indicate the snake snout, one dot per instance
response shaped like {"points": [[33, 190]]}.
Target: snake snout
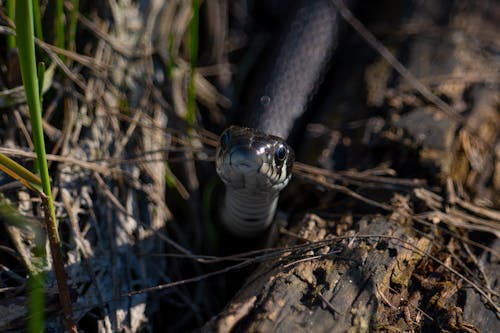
{"points": [[252, 160], [245, 159]]}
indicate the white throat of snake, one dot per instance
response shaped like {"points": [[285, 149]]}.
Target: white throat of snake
{"points": [[246, 213]]}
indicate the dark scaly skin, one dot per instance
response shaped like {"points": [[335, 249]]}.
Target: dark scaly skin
{"points": [[287, 81], [295, 68]]}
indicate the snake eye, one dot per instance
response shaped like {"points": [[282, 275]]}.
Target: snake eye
{"points": [[280, 154], [224, 139]]}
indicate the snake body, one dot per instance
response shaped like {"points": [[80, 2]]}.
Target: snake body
{"points": [[254, 161]]}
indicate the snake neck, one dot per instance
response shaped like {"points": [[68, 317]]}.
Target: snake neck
{"points": [[248, 213]]}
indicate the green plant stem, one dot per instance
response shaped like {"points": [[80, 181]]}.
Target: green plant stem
{"points": [[37, 20], [59, 26], [20, 173], [41, 77], [36, 303], [72, 25], [193, 55], [11, 39], [26, 44], [27, 61]]}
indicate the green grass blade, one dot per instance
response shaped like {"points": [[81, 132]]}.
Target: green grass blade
{"points": [[11, 39], [36, 303], [193, 56], [21, 174], [72, 25], [26, 49], [27, 60], [59, 25], [41, 78], [37, 20]]}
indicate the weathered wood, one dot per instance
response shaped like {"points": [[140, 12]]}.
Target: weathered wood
{"points": [[378, 276], [346, 289]]}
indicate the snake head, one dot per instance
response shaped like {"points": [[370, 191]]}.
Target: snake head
{"points": [[252, 160]]}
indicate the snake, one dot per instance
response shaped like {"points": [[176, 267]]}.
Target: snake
{"points": [[253, 158]]}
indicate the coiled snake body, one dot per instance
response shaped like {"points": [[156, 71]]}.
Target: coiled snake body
{"points": [[254, 161]]}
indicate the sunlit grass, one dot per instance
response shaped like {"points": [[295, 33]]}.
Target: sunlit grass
{"points": [[20, 173], [26, 45], [31, 78]]}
